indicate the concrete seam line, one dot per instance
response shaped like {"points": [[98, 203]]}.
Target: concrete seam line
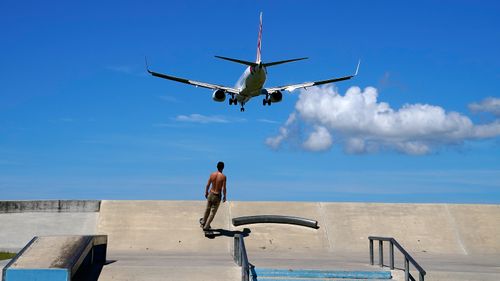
{"points": [[325, 225], [229, 225], [455, 230]]}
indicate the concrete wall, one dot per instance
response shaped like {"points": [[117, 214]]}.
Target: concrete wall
{"points": [[49, 206], [20, 221], [344, 227]]}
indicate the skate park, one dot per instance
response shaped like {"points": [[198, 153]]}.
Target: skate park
{"points": [[161, 240]]}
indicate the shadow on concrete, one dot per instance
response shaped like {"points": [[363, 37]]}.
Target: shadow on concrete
{"points": [[90, 272], [216, 232]]}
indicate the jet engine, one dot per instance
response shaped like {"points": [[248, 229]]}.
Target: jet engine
{"points": [[276, 96], [219, 95]]}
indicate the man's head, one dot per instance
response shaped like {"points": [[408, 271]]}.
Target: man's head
{"points": [[220, 166]]}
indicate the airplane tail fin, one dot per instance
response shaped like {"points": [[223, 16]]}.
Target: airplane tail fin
{"points": [[259, 41], [258, 61]]}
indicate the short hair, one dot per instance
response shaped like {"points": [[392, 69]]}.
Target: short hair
{"points": [[220, 166]]}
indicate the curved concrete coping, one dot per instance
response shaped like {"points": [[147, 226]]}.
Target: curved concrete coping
{"points": [[275, 219]]}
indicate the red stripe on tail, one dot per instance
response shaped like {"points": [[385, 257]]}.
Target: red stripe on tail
{"points": [[259, 45]]}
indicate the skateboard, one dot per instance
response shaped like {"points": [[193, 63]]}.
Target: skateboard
{"points": [[209, 232]]}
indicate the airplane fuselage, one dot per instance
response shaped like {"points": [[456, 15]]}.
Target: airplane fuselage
{"points": [[251, 83]]}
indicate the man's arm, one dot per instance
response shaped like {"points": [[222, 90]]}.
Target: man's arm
{"points": [[208, 186], [224, 190]]}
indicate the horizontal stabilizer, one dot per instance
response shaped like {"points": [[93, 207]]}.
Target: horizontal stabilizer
{"points": [[281, 62], [238, 61]]}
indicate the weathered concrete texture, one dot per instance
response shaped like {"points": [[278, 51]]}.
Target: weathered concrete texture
{"points": [[17, 229], [428, 228], [51, 252], [345, 227], [144, 266], [160, 226], [162, 240], [477, 227], [274, 238], [49, 206]]}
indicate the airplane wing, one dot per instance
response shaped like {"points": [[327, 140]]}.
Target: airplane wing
{"points": [[193, 82], [310, 84]]}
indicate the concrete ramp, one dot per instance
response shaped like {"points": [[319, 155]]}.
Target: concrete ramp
{"points": [[160, 226], [162, 240]]}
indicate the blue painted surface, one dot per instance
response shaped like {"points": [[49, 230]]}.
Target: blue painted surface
{"points": [[312, 279], [25, 274], [266, 272]]}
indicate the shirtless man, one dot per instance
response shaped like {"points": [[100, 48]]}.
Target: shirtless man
{"points": [[218, 182]]}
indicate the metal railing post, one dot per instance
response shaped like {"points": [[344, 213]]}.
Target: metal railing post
{"points": [[371, 251], [407, 257], [391, 254], [237, 250], [245, 273], [407, 270], [380, 253]]}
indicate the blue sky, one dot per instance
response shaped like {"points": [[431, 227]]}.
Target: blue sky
{"points": [[80, 118]]}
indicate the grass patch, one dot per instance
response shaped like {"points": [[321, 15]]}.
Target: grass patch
{"points": [[6, 255]]}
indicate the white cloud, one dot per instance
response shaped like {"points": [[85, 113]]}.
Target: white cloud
{"points": [[263, 120], [204, 119], [491, 105], [284, 133], [318, 140], [362, 124]]}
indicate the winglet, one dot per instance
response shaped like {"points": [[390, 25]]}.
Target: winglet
{"points": [[147, 66], [357, 68]]}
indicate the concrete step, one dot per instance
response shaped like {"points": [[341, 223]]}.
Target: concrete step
{"points": [[301, 274]]}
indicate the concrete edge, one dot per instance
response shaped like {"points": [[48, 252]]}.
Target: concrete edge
{"points": [[59, 206]]}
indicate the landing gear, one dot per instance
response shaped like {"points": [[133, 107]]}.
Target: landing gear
{"points": [[233, 100], [266, 101], [242, 109]]}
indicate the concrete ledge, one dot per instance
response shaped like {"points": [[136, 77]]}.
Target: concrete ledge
{"points": [[50, 206], [57, 258]]}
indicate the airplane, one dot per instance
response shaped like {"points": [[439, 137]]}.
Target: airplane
{"points": [[251, 83]]}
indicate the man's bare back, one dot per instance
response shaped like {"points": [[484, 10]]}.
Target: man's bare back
{"points": [[218, 182]]}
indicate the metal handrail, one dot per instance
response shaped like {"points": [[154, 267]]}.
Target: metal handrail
{"points": [[240, 256], [408, 258]]}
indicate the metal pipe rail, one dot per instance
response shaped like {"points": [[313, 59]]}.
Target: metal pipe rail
{"points": [[275, 219], [240, 257], [408, 258]]}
